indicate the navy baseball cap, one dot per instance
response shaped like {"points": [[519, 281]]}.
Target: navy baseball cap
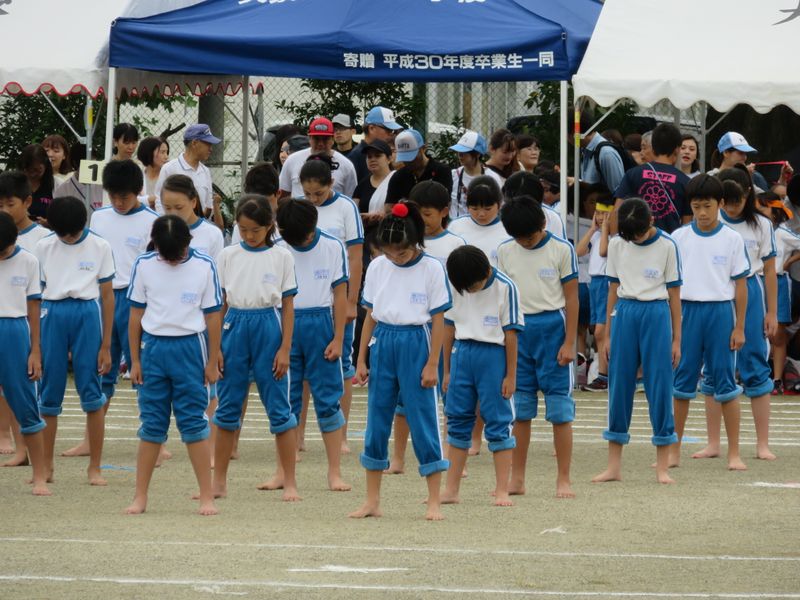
{"points": [[201, 132]]}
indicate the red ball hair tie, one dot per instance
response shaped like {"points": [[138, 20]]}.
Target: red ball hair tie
{"points": [[400, 210]]}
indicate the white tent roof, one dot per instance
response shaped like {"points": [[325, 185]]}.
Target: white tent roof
{"points": [[723, 52], [62, 46]]}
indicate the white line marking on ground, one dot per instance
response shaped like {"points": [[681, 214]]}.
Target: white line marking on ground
{"points": [[765, 484], [392, 588], [346, 569], [216, 589], [413, 549], [559, 529]]}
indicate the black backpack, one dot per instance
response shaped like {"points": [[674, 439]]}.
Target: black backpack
{"points": [[627, 160]]}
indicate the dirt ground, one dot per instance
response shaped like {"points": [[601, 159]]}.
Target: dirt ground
{"points": [[715, 534]]}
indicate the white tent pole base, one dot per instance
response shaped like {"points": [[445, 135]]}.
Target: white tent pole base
{"points": [[111, 99], [562, 156]]}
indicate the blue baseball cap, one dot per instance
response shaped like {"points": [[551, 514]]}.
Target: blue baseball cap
{"points": [[201, 132], [471, 141], [734, 141], [383, 117], [407, 144]]}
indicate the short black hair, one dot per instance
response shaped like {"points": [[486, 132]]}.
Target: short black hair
{"points": [[704, 187], [256, 208], [522, 216], [262, 178], [466, 266], [122, 177], [316, 169], [8, 231], [14, 184], [666, 139], [523, 183], [126, 132], [431, 194], [483, 191], [405, 231], [297, 219], [147, 148], [634, 218], [67, 215], [737, 185], [170, 237]]}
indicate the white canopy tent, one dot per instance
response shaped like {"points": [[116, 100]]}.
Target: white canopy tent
{"points": [[62, 47], [715, 51]]}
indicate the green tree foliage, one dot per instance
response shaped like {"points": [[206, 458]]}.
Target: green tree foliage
{"points": [[354, 98]]}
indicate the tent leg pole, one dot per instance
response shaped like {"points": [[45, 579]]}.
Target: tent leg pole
{"points": [[111, 99], [62, 117], [245, 124], [703, 111], [562, 157]]}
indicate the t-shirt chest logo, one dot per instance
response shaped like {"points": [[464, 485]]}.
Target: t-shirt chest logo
{"points": [[652, 273], [134, 242], [419, 298], [190, 298], [322, 274], [491, 321], [86, 265], [751, 244], [720, 260], [548, 273], [269, 278], [19, 281]]}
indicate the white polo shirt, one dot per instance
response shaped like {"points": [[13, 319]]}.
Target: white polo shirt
{"points": [[710, 262], [406, 295], [486, 315], [553, 222], [486, 237], [30, 236], [319, 267], [175, 298], [128, 234], [539, 273], [19, 282], [206, 238], [759, 240], [74, 270], [200, 176], [644, 271], [786, 243], [344, 178], [339, 217], [440, 246], [597, 263], [256, 277]]}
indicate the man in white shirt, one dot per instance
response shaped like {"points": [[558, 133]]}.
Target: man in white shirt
{"points": [[320, 137], [198, 143]]}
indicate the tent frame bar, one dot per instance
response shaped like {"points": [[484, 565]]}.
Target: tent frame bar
{"points": [[245, 125], [603, 118], [80, 138]]}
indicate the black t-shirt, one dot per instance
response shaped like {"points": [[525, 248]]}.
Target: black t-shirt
{"points": [[363, 193], [401, 182], [358, 156], [663, 187], [41, 201]]}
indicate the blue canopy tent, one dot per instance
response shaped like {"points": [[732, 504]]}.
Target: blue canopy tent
{"points": [[365, 40]]}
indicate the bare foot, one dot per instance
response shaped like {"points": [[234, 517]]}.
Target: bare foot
{"points": [[395, 468], [607, 475], [502, 499], [674, 463], [41, 489], [6, 447], [208, 509], [290, 495], [474, 450], [49, 478], [434, 513], [464, 473], [81, 449], [707, 452], [219, 492], [274, 483], [765, 454], [516, 488], [449, 499], [235, 455], [301, 445], [96, 478], [736, 464], [345, 448], [335, 484], [664, 478], [137, 507], [564, 489], [367, 510], [18, 460]]}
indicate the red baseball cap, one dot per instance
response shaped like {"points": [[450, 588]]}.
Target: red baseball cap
{"points": [[320, 126]]}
